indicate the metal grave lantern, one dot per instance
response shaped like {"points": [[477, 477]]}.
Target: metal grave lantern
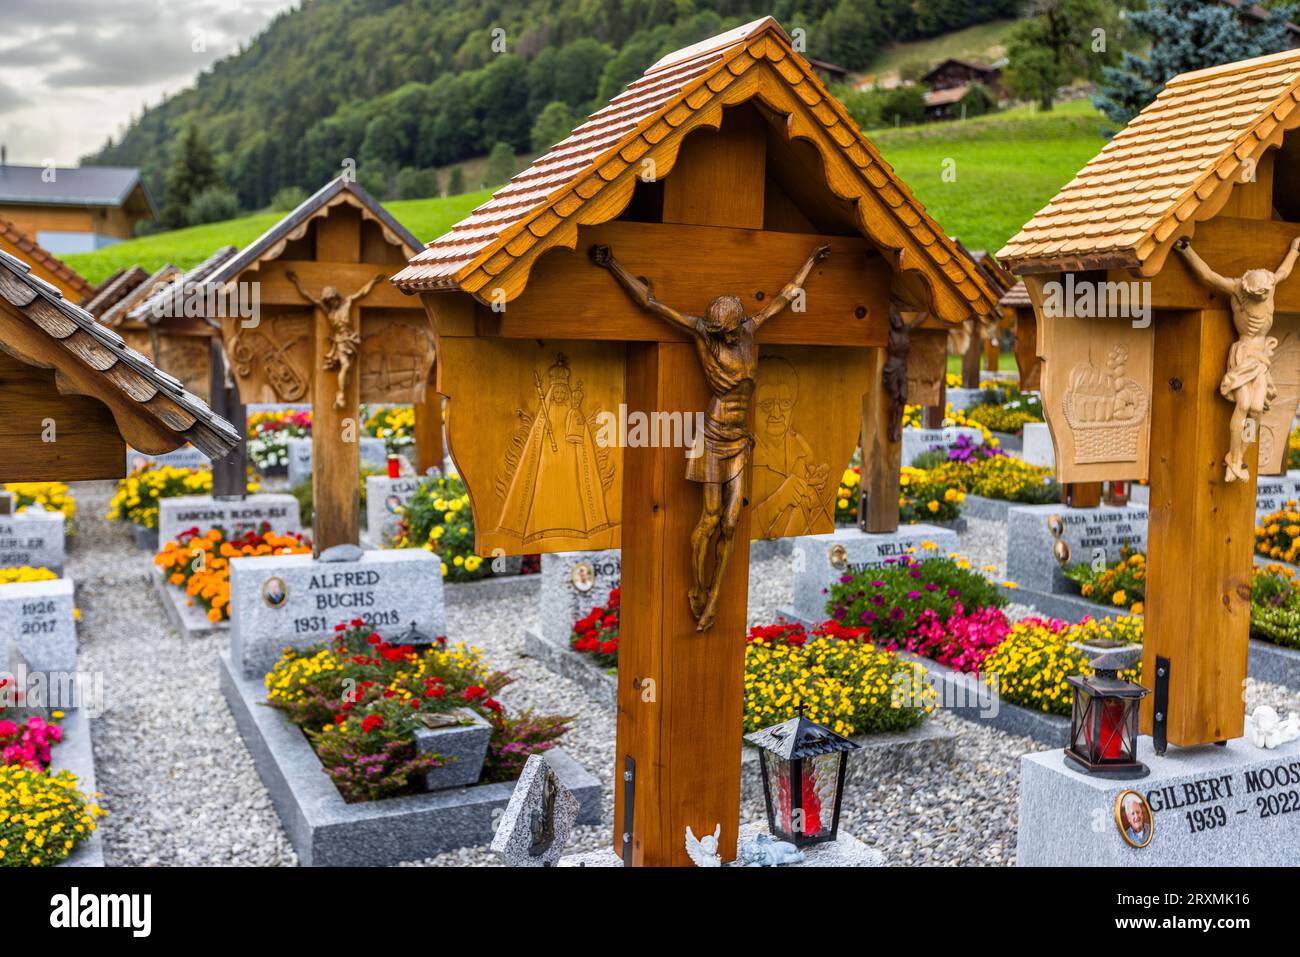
{"points": [[1104, 719], [803, 766]]}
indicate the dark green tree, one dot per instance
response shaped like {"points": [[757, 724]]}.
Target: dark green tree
{"points": [[1184, 35], [500, 165], [192, 171], [1058, 42], [553, 124], [456, 181]]}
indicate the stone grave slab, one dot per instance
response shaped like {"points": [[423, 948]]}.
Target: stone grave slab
{"points": [[386, 500], [462, 742], [1036, 445], [33, 537], [961, 399], [373, 453], [37, 620], [235, 516], [916, 441], [1272, 492], [845, 851], [1043, 539], [818, 561], [1208, 807], [278, 601]]}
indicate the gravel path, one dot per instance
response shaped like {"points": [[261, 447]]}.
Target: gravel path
{"points": [[182, 789]]}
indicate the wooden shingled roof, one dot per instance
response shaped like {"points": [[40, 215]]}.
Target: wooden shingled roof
{"points": [[1174, 165], [589, 177], [1017, 297], [92, 359], [115, 314], [196, 275], [18, 244], [110, 293]]}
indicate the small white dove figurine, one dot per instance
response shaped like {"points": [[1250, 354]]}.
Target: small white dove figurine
{"points": [[703, 852], [1267, 730]]}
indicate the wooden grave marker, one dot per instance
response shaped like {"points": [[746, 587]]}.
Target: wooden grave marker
{"points": [[735, 167]]}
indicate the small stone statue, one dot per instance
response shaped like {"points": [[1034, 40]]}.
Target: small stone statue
{"points": [[766, 851], [703, 851], [1266, 730], [1248, 382]]}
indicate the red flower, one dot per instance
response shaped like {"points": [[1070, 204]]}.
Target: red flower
{"points": [[357, 622], [610, 647], [370, 722], [492, 703], [374, 639], [474, 692], [340, 627], [437, 692]]}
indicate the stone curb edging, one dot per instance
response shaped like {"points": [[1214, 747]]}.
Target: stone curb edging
{"points": [[988, 509], [599, 685], [326, 831], [497, 586], [187, 621], [76, 753]]}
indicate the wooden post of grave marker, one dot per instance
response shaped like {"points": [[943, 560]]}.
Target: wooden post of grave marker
{"points": [[229, 473], [743, 137]]}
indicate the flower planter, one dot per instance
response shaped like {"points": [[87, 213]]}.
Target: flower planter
{"points": [[326, 831], [189, 621], [74, 753], [463, 746]]}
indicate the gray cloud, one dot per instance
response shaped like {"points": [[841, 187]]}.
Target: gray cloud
{"points": [[10, 99]]}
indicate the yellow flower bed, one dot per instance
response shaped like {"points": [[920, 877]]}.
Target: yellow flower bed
{"points": [[396, 426], [42, 816], [848, 686], [1278, 535], [52, 496], [137, 495], [14, 576], [1030, 667]]}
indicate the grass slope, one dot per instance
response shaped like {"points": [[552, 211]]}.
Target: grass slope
{"points": [[1007, 166], [984, 41], [426, 218]]}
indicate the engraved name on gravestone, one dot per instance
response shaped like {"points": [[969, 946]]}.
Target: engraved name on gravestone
{"points": [[1272, 492], [1042, 540], [186, 457], [373, 454], [918, 441], [1205, 806], [33, 538], [386, 501], [37, 620], [235, 517], [279, 601], [820, 561]]}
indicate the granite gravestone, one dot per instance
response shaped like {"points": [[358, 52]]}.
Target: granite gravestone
{"points": [[38, 620], [573, 583], [1272, 492], [917, 441], [1037, 448], [1043, 540], [1206, 806], [538, 820], [461, 739], [34, 538], [819, 561], [386, 501], [186, 457], [373, 454], [279, 601], [235, 516]]}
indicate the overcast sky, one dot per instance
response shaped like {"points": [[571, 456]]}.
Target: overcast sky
{"points": [[73, 72]]}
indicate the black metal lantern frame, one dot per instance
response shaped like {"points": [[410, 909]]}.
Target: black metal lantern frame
{"points": [[803, 766], [1104, 723]]}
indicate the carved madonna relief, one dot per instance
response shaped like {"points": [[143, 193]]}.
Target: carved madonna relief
{"points": [[558, 485], [807, 417], [1097, 397]]}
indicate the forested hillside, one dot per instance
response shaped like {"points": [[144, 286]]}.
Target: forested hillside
{"points": [[413, 84]]}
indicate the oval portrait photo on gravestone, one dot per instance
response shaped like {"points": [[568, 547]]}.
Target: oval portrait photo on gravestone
{"points": [[583, 577], [275, 592], [1133, 818]]}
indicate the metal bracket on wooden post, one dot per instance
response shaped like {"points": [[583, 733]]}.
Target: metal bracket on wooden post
{"points": [[629, 807], [1160, 715]]}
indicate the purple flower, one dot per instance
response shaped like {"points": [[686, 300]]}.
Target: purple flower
{"points": [[913, 595], [896, 614], [868, 617], [877, 599], [915, 573], [877, 584], [954, 593], [931, 586], [845, 579]]}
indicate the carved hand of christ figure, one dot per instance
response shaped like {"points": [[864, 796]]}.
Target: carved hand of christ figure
{"points": [[345, 340], [725, 343], [1248, 381]]}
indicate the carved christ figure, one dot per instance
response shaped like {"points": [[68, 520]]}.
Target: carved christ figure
{"points": [[894, 374], [725, 343], [1248, 382], [345, 340]]}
